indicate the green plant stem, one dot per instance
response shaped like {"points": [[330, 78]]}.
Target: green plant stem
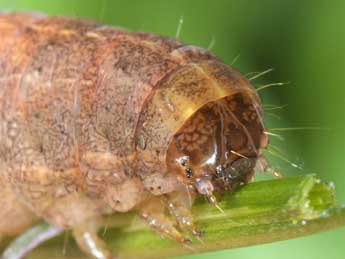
{"points": [[257, 213]]}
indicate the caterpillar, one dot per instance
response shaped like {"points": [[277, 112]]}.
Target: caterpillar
{"points": [[96, 120]]}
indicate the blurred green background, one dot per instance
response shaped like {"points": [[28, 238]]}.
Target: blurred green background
{"points": [[304, 41]]}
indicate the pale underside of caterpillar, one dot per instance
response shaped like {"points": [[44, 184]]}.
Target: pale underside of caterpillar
{"points": [[97, 120]]}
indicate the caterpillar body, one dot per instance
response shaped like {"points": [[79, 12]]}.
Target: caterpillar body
{"points": [[96, 120]]}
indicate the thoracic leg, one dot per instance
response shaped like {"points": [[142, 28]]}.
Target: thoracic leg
{"points": [[153, 213], [179, 206], [88, 240]]}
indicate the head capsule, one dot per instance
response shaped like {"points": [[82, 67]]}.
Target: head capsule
{"points": [[218, 146], [202, 124]]}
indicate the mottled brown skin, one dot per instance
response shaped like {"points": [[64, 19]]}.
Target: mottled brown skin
{"points": [[96, 120]]}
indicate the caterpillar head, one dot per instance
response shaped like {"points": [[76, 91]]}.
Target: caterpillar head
{"points": [[203, 124], [218, 147]]}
